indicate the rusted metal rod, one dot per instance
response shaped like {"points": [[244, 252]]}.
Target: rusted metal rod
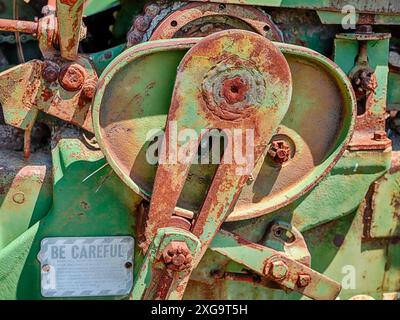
{"points": [[18, 26]]}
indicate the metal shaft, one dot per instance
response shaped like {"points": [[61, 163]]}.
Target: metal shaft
{"points": [[18, 26]]}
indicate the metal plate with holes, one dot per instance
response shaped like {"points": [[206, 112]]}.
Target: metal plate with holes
{"points": [[86, 266]]}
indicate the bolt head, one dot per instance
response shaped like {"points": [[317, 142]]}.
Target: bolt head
{"points": [[46, 268], [303, 280], [279, 151], [88, 91], [278, 270], [50, 71], [72, 77], [176, 256]]}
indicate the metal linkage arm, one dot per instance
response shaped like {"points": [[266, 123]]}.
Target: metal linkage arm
{"points": [[276, 266]]}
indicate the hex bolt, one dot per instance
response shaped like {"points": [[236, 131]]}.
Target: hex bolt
{"points": [[303, 280], [380, 135], [279, 151], [278, 270], [176, 256], [72, 77], [50, 71]]}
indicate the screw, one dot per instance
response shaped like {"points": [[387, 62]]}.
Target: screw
{"points": [[128, 265], [279, 151], [72, 77], [380, 135], [46, 268], [303, 280], [176, 256], [19, 197], [50, 71], [276, 269]]}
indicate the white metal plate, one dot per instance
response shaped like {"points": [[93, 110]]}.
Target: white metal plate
{"points": [[86, 266]]}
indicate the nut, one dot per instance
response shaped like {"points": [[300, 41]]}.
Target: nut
{"points": [[50, 71], [176, 256], [279, 151], [303, 280], [276, 269], [72, 77]]}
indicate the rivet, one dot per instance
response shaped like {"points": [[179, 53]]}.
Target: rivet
{"points": [[19, 197]]}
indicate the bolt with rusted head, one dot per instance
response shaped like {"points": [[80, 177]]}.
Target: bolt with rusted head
{"points": [[50, 71], [88, 90], [303, 280], [278, 270], [176, 256], [72, 77], [380, 135], [279, 151]]}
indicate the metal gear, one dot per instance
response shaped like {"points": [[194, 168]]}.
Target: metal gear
{"points": [[163, 20]]}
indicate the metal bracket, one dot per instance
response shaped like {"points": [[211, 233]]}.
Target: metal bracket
{"points": [[59, 88], [166, 265], [277, 266]]}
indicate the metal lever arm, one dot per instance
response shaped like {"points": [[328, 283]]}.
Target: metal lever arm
{"points": [[276, 265], [234, 81]]}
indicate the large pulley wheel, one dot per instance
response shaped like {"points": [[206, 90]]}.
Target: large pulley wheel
{"points": [[134, 97]]}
